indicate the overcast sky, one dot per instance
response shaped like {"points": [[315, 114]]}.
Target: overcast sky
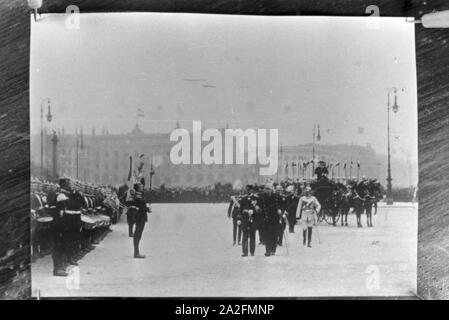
{"points": [[252, 72]]}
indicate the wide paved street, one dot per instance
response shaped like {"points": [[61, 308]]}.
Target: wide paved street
{"points": [[190, 253]]}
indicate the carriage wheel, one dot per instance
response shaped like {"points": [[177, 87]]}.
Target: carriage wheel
{"points": [[328, 216]]}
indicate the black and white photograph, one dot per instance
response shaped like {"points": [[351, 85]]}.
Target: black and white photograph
{"points": [[203, 155]]}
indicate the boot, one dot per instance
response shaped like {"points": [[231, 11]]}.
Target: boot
{"points": [[309, 237], [304, 235], [72, 262], [60, 273], [137, 254]]}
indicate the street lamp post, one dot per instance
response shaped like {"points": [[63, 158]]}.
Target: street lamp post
{"points": [[54, 140], [151, 174], [313, 150], [49, 118], [395, 108], [318, 138]]}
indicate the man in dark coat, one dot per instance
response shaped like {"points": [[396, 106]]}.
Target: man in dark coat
{"points": [[249, 209], [272, 213], [321, 170], [291, 203]]}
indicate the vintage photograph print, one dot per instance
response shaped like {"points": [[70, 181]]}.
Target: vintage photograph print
{"points": [[200, 155]]}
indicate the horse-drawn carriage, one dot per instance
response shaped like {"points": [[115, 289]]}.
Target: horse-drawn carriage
{"points": [[337, 199]]}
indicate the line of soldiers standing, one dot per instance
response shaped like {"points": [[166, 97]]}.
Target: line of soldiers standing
{"points": [[69, 219], [268, 210]]}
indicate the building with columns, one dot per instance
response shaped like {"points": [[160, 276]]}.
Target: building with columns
{"points": [[104, 158]]}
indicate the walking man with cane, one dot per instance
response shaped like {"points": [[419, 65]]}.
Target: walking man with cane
{"points": [[308, 208]]}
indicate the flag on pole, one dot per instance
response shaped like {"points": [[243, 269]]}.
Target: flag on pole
{"points": [[140, 113]]}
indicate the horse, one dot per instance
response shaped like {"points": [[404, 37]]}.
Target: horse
{"points": [[343, 200], [377, 192]]}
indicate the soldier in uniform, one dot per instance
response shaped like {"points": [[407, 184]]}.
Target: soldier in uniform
{"points": [[291, 203], [249, 209], [136, 179], [72, 220], [140, 218], [308, 208], [271, 213], [233, 212], [60, 236]]}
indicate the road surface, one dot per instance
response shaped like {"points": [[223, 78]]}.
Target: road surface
{"points": [[190, 253]]}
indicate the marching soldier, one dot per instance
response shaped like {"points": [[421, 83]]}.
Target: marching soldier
{"points": [[308, 208], [140, 218], [137, 181], [249, 209], [131, 212]]}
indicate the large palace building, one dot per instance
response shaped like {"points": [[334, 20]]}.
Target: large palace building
{"points": [[104, 158]]}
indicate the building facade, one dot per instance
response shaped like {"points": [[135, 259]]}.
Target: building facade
{"points": [[104, 158]]}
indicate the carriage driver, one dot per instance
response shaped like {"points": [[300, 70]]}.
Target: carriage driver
{"points": [[308, 208], [321, 170]]}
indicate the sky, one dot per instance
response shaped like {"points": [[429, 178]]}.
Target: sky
{"points": [[255, 72]]}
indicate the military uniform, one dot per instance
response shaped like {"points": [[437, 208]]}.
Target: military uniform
{"points": [[291, 203], [282, 218], [249, 209], [233, 212], [140, 218], [72, 222], [271, 215], [308, 207], [60, 237], [131, 212]]}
